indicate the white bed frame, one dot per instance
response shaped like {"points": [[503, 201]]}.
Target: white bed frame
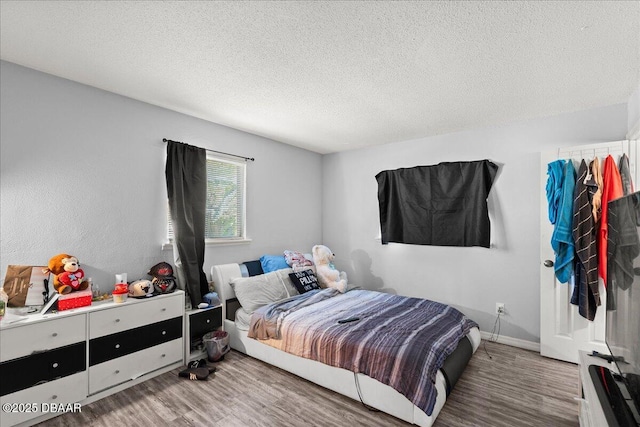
{"points": [[374, 393]]}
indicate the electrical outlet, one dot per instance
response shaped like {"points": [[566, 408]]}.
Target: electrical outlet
{"points": [[500, 308]]}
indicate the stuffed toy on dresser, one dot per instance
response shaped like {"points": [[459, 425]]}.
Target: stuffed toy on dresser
{"points": [[67, 274]]}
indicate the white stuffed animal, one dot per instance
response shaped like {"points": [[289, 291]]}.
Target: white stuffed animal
{"points": [[327, 274]]}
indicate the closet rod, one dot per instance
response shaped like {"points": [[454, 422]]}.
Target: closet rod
{"points": [[213, 151]]}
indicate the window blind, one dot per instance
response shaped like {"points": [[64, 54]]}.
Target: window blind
{"points": [[225, 208]]}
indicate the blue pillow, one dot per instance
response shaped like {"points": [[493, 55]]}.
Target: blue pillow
{"points": [[273, 262]]}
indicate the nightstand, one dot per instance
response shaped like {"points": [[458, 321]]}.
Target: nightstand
{"points": [[197, 323]]}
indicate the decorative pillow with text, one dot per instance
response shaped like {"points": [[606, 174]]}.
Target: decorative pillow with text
{"points": [[304, 281]]}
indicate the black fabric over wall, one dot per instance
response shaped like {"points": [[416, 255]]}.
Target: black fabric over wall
{"points": [[186, 175], [441, 205]]}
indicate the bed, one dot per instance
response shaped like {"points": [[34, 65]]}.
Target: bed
{"points": [[357, 386]]}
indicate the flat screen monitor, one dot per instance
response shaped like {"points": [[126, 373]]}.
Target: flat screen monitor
{"points": [[623, 291]]}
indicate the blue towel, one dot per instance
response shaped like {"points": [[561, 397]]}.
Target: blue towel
{"points": [[562, 237], [555, 170]]}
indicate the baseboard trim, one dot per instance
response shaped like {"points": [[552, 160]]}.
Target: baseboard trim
{"points": [[514, 342]]}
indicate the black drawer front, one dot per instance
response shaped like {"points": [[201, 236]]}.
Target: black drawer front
{"points": [[205, 321], [117, 345], [24, 372]]}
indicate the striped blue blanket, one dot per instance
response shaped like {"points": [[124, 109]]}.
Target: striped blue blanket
{"points": [[399, 341]]}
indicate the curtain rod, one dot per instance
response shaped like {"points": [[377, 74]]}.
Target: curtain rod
{"points": [[213, 151]]}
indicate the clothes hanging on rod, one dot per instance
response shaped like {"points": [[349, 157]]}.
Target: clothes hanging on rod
{"points": [[581, 256], [612, 189], [596, 199], [625, 174], [555, 170], [562, 237], [585, 238]]}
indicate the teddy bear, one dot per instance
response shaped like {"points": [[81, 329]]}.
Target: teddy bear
{"points": [[327, 274], [67, 274]]}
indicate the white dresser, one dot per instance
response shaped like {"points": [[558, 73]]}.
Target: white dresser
{"points": [[81, 355]]}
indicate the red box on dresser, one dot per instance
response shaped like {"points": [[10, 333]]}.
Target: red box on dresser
{"points": [[74, 300]]}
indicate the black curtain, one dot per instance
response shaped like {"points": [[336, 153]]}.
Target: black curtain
{"points": [[441, 205], [186, 174]]}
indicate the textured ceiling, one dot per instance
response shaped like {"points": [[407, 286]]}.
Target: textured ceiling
{"points": [[332, 76]]}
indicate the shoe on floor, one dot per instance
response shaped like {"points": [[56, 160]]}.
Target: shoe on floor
{"points": [[202, 363], [195, 373]]}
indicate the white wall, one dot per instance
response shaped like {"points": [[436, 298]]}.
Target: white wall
{"points": [[82, 171], [472, 279], [633, 114]]}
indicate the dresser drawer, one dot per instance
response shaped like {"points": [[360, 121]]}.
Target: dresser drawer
{"points": [[133, 314], [66, 390], [122, 343], [132, 366], [23, 340], [24, 372], [204, 321]]}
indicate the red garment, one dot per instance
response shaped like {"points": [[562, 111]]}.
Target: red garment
{"points": [[612, 190]]}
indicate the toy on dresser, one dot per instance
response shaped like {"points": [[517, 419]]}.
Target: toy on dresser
{"points": [[69, 281], [67, 274]]}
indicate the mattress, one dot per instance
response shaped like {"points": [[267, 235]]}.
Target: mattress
{"points": [[400, 341], [242, 319], [373, 393]]}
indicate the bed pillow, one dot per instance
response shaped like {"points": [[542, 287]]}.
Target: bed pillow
{"points": [[254, 268], [271, 263], [283, 275], [257, 291], [304, 281]]}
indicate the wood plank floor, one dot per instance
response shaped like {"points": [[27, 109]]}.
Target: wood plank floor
{"points": [[514, 387]]}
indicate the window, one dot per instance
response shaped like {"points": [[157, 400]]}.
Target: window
{"points": [[225, 199], [225, 210]]}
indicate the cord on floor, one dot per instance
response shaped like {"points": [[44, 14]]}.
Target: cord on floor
{"points": [[494, 335]]}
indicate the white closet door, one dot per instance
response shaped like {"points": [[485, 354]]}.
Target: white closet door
{"points": [[562, 330]]}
